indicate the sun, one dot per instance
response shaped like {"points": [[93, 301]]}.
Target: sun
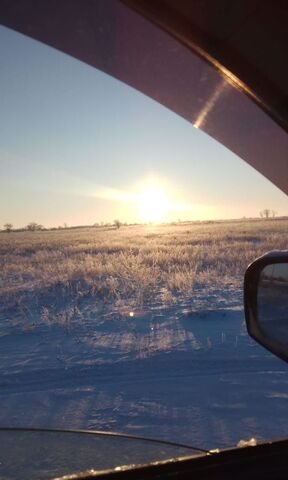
{"points": [[153, 204]]}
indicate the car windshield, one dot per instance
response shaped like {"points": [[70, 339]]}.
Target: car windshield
{"points": [[126, 232]]}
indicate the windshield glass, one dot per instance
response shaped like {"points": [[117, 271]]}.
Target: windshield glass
{"points": [[56, 453], [125, 236]]}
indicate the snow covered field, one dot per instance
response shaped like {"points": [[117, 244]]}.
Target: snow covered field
{"points": [[139, 330]]}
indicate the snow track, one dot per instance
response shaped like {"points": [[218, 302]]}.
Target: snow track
{"points": [[172, 373]]}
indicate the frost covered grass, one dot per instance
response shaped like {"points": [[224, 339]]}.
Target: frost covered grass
{"points": [[52, 274], [138, 330]]}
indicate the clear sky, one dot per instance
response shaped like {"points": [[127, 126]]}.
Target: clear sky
{"points": [[79, 147]]}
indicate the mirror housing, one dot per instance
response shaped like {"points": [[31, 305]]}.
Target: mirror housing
{"points": [[266, 302]]}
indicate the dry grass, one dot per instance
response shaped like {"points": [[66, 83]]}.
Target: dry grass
{"points": [[57, 271]]}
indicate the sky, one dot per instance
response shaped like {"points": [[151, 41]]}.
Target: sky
{"points": [[79, 147]]}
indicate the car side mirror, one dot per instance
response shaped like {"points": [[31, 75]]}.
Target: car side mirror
{"points": [[266, 302]]}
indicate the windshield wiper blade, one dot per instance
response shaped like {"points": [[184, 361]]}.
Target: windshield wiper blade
{"points": [[106, 434]]}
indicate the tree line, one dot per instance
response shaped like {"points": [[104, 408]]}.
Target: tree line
{"points": [[31, 227]]}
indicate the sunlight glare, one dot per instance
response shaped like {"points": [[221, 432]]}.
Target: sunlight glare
{"points": [[153, 204]]}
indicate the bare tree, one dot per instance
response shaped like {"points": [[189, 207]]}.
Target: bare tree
{"points": [[33, 226], [117, 223], [266, 213], [8, 227]]}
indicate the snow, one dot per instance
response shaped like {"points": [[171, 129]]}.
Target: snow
{"points": [[187, 372]]}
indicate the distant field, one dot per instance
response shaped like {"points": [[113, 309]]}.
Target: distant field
{"points": [[52, 273]]}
